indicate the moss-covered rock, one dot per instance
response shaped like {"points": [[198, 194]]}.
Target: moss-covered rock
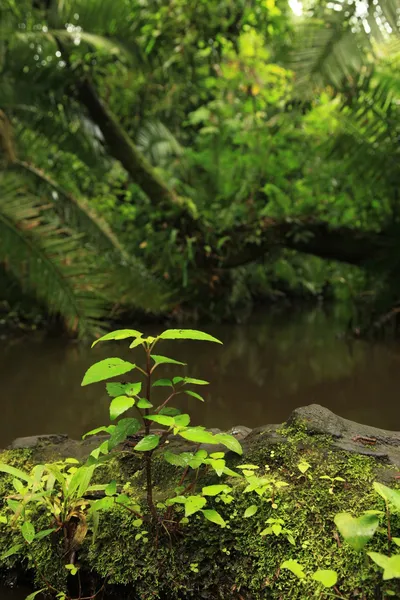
{"points": [[202, 560]]}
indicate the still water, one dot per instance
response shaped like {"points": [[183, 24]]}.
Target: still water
{"points": [[263, 371]]}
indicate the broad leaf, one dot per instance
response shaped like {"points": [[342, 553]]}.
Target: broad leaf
{"points": [[294, 567], [230, 442], [80, 481], [111, 488], [28, 532], [108, 429], [104, 369], [136, 343], [250, 511], [161, 420], [123, 389], [200, 436], [164, 360], [187, 334], [44, 533], [214, 490], [119, 334], [388, 494], [194, 504], [120, 405], [327, 577], [148, 443], [162, 383], [182, 420], [356, 531], [389, 564], [124, 428], [144, 403], [174, 459], [214, 517]]}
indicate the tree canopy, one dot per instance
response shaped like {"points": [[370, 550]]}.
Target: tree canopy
{"points": [[194, 157]]}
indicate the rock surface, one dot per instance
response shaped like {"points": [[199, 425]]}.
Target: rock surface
{"points": [[345, 435]]}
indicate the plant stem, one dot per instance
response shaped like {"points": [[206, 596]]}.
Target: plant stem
{"points": [[148, 455], [389, 532]]}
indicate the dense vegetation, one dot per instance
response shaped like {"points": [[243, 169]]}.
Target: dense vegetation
{"points": [[195, 158]]}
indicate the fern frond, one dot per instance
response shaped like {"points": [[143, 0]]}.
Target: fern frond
{"points": [[158, 144], [50, 261]]}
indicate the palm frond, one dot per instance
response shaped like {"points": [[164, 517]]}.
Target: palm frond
{"points": [[331, 46], [158, 144], [50, 261]]}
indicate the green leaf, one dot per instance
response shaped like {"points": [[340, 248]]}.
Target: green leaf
{"points": [[161, 419], [196, 434], [44, 533], [144, 403], [247, 467], [389, 564], [28, 532], [250, 511], [193, 394], [388, 494], [214, 517], [3, 520], [108, 429], [214, 490], [34, 594], [164, 360], [120, 405], [119, 334], [303, 466], [170, 411], [162, 383], [327, 577], [182, 420], [105, 503], [13, 550], [217, 464], [123, 429], [194, 504], [111, 488], [123, 389], [195, 381], [174, 459], [187, 334], [104, 369], [80, 481], [15, 472], [136, 343], [294, 567], [148, 443], [230, 442], [356, 531]]}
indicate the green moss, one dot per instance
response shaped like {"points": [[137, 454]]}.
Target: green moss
{"points": [[202, 560]]}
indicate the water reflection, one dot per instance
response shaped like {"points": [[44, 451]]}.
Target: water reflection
{"points": [[263, 371]]}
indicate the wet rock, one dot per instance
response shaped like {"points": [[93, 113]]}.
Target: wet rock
{"points": [[51, 447], [347, 435]]}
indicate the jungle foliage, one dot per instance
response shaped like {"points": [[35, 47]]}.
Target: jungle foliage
{"points": [[196, 158]]}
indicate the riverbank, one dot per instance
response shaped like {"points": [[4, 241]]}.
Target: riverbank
{"points": [[319, 465]]}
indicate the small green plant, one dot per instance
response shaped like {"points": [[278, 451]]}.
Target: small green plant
{"points": [[150, 429], [358, 531]]}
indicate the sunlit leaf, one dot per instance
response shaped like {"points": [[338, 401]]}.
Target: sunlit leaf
{"points": [[250, 511], [104, 369], [119, 334], [28, 531], [389, 564], [214, 490], [230, 442], [327, 577], [388, 494], [193, 394], [161, 420], [201, 436], [161, 360], [123, 389], [194, 504], [356, 531], [214, 517], [148, 443], [187, 334], [294, 567], [120, 405]]}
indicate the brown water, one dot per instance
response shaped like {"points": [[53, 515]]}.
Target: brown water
{"points": [[264, 370]]}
